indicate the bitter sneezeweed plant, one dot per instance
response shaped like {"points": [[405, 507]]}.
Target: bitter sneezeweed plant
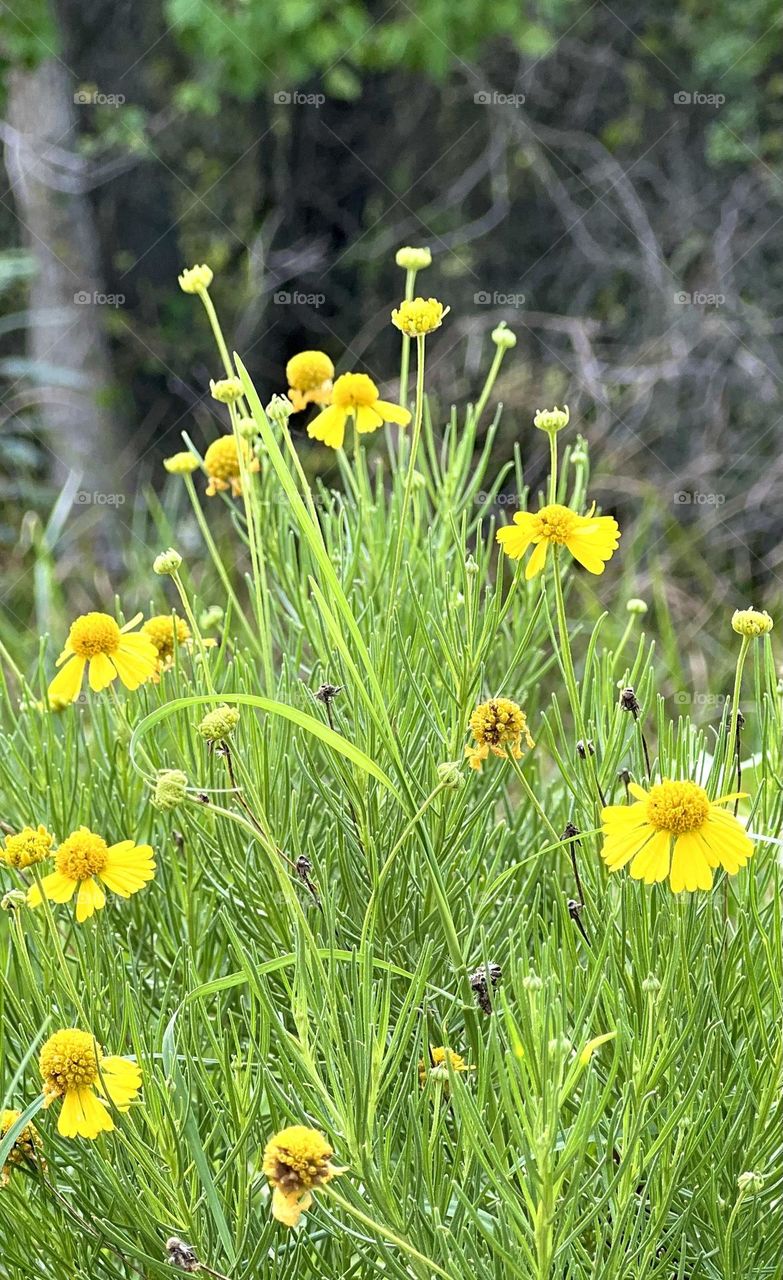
{"points": [[435, 944]]}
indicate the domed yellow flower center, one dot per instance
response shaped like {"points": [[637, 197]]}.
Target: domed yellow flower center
{"points": [[162, 631], [221, 459], [556, 523], [309, 370], [354, 391], [297, 1159], [28, 847], [82, 855], [497, 721], [94, 633], [677, 807], [418, 316], [69, 1060]]}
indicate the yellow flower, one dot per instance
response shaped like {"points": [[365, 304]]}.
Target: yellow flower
{"points": [[74, 1068], [195, 279], [417, 316], [354, 395], [222, 465], [97, 639], [29, 846], [124, 868], [25, 1148], [167, 632], [590, 539], [181, 464], [309, 379], [674, 830], [296, 1160], [438, 1066], [497, 725], [751, 622]]}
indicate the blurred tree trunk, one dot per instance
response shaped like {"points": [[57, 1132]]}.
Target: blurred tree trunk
{"points": [[66, 316]]}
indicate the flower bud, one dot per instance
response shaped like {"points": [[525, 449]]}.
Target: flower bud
{"points": [[450, 775], [167, 563], [636, 606], [195, 279], [751, 622], [552, 420], [411, 259], [219, 724], [226, 390], [170, 789], [503, 337]]}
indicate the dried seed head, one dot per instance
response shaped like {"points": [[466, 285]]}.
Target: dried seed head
{"points": [[484, 980], [327, 693], [585, 749]]}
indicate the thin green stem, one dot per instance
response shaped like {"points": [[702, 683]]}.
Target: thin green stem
{"points": [[386, 1234], [405, 351], [408, 490], [729, 766]]}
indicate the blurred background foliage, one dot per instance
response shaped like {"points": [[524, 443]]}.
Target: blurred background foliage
{"points": [[577, 169]]}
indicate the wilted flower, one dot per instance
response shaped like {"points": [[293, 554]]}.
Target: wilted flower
{"points": [[309, 377], [498, 725], [296, 1161], [223, 466]]}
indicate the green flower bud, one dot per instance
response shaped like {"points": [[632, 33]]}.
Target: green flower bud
{"points": [[170, 788], [219, 724]]}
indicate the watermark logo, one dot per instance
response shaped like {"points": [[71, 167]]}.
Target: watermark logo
{"points": [[87, 97], [497, 499], [86, 298], [699, 299], [709, 700], [86, 499], [284, 98], [496, 299], [282, 298], [491, 98], [695, 98], [693, 497]]}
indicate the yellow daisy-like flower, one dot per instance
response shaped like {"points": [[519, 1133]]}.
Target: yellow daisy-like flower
{"points": [[97, 639], [26, 1146], [438, 1066], [592, 540], [497, 725], [674, 830], [181, 464], [195, 279], [354, 396], [222, 465], [74, 1068], [124, 868], [31, 845], [167, 631], [309, 377], [296, 1160], [418, 316]]}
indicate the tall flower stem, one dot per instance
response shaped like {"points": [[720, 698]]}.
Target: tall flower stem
{"points": [[486, 390], [408, 490], [386, 1234], [405, 350], [552, 466], [186, 605], [729, 766], [568, 667]]}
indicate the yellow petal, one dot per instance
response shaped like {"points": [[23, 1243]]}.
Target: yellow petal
{"points": [[120, 1081], [537, 561], [55, 887], [651, 863], [135, 665], [91, 898], [288, 1209], [392, 412], [366, 418], [82, 1115], [101, 671], [594, 1044], [329, 426], [516, 538], [68, 681], [128, 868]]}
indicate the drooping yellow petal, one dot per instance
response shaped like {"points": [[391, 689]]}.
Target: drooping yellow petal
{"points": [[651, 863], [120, 1081], [618, 850], [288, 1209], [537, 561], [56, 887], [329, 426], [366, 418], [636, 791], [392, 412], [68, 681], [594, 541], [128, 867], [91, 899], [516, 538], [690, 869], [101, 672], [133, 667], [82, 1115], [594, 1044]]}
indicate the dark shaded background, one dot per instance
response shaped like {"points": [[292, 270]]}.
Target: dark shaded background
{"points": [[607, 180]]}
